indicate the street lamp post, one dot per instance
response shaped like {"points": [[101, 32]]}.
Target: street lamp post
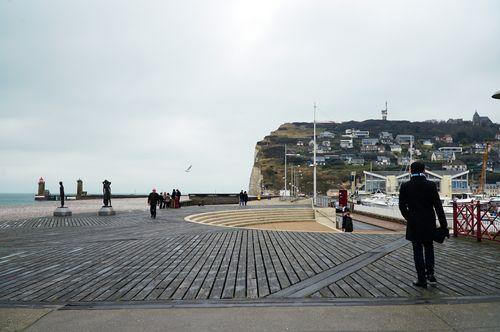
{"points": [[285, 172], [314, 157], [288, 154]]}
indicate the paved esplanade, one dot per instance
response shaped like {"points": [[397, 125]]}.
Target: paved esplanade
{"points": [[132, 260]]}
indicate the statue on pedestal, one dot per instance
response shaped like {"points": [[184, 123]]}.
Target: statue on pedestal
{"points": [[106, 190], [61, 193]]}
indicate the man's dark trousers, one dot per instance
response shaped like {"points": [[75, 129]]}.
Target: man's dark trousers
{"points": [[152, 208], [424, 267]]}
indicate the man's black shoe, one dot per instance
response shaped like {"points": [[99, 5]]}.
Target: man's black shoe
{"points": [[432, 279], [420, 283]]}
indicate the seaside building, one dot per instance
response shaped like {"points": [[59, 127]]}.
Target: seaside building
{"points": [[448, 182]]}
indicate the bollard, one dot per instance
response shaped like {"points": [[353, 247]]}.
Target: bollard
{"points": [[478, 221]]}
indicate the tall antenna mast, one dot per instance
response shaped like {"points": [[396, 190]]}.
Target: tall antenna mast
{"points": [[384, 112]]}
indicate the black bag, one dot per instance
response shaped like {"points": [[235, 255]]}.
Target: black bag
{"points": [[348, 224], [440, 234]]}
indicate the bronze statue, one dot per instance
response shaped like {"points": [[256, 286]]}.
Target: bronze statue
{"points": [[106, 189], [61, 193]]}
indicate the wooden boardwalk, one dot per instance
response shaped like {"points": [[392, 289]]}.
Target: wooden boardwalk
{"points": [[130, 257]]}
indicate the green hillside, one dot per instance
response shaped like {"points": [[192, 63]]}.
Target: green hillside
{"points": [[336, 169]]}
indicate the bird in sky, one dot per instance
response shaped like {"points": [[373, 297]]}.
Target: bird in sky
{"points": [[188, 169]]}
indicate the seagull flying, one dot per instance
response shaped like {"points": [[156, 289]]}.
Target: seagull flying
{"points": [[188, 169]]}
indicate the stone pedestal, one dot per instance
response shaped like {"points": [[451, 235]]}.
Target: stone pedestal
{"points": [[62, 212], [106, 211]]}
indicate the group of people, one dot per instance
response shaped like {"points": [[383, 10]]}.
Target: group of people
{"points": [[243, 198], [163, 200]]}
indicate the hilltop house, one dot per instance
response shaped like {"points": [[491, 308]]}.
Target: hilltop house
{"points": [[395, 148], [404, 161], [346, 143], [369, 148], [455, 165], [443, 156], [385, 137], [405, 139], [300, 143], [381, 149], [456, 149], [356, 133], [427, 143], [369, 141], [356, 161], [448, 183], [445, 139], [326, 134], [383, 161], [320, 161], [326, 143]]}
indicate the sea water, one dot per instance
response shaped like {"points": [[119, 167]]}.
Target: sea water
{"points": [[16, 199]]}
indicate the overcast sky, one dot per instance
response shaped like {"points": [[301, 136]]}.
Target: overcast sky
{"points": [[136, 91]]}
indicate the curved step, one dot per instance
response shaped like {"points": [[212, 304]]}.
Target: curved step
{"points": [[242, 218]]}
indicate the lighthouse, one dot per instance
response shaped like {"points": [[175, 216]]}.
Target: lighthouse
{"points": [[41, 190]]}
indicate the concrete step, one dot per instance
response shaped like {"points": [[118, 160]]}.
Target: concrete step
{"points": [[241, 218], [269, 212], [257, 222]]}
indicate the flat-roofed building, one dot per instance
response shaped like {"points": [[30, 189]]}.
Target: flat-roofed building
{"points": [[448, 183]]}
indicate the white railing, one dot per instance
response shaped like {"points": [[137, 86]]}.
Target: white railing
{"points": [[390, 211]]}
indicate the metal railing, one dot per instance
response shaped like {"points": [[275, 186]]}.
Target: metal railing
{"points": [[323, 201], [476, 219]]}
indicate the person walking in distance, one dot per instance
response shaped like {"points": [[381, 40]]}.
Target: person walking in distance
{"points": [[241, 198], [178, 198], [153, 199], [245, 198], [418, 199], [174, 193]]}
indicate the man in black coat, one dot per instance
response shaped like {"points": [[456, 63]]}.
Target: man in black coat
{"points": [[153, 201], [418, 199]]}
